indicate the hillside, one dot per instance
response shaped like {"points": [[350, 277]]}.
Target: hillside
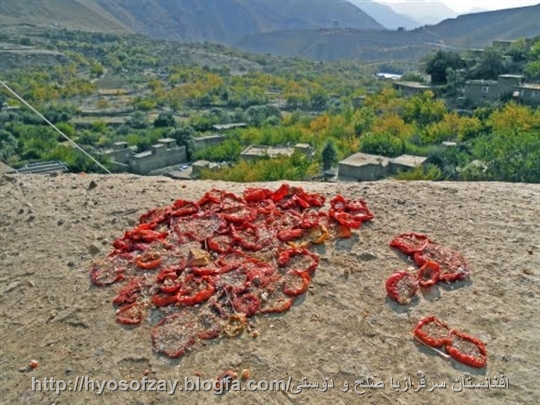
{"points": [[332, 45], [73, 14], [425, 12], [470, 30], [386, 15], [343, 329], [479, 29], [221, 21]]}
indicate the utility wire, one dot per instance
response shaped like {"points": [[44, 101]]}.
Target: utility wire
{"points": [[54, 126]]}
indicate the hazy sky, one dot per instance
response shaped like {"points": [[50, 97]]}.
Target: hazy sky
{"points": [[461, 6]]}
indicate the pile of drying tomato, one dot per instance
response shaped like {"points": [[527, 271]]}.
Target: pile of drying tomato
{"points": [[436, 264], [460, 346], [211, 264]]}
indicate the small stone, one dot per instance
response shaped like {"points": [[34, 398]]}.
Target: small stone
{"points": [[53, 174], [60, 222], [367, 256], [92, 185], [93, 250]]}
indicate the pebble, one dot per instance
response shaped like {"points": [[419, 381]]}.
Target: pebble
{"points": [[92, 185], [93, 250], [367, 256]]}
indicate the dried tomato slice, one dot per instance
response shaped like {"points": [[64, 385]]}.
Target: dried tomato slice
{"points": [[295, 282], [171, 273], [452, 264], [281, 193], [466, 349], [346, 219], [428, 274], [131, 314], [275, 302], [182, 208], [410, 243], [208, 326], [247, 236], [239, 214], [247, 304], [312, 199], [155, 216], [148, 261], [143, 234], [164, 300], [264, 207], [299, 259], [343, 232], [402, 287], [198, 227], [108, 271], [288, 235], [221, 243], [174, 334], [130, 292], [195, 290], [254, 195], [432, 331], [318, 234]]}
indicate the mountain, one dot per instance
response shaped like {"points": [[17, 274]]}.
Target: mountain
{"points": [[386, 15], [479, 29], [424, 11], [221, 21], [471, 30], [74, 14]]}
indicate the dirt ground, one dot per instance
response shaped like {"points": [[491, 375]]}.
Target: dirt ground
{"points": [[343, 330]]}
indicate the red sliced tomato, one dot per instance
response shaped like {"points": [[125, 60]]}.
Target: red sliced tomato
{"points": [[428, 274], [432, 331], [466, 349], [410, 243], [402, 286]]}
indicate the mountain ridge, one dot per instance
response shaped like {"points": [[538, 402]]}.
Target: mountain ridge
{"points": [[385, 15], [220, 21]]}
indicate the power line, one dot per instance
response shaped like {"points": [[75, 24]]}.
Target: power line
{"points": [[54, 127]]}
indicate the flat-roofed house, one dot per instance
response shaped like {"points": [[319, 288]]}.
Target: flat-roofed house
{"points": [[363, 167], [165, 153], [405, 163], [529, 93], [480, 91], [410, 88]]}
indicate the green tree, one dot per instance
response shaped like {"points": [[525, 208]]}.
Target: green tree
{"points": [[382, 144], [490, 65], [184, 136], [510, 157], [165, 119], [329, 154], [437, 65]]}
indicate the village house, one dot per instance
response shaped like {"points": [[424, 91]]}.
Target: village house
{"points": [[165, 153], [256, 152], [480, 92], [366, 167], [409, 89], [528, 93]]}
